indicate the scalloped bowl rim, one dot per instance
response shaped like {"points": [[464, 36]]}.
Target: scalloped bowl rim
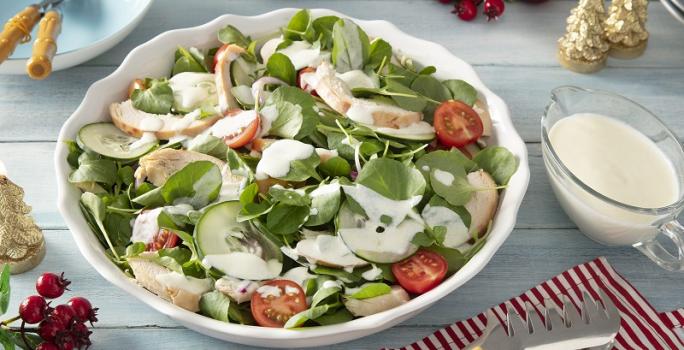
{"points": [[137, 62]]}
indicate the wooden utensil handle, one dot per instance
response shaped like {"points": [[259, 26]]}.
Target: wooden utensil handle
{"points": [[39, 66], [17, 29]]}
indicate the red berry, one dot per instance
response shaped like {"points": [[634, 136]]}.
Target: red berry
{"points": [[63, 314], [33, 309], [49, 328], [66, 342], [465, 10], [493, 9], [51, 286], [47, 346], [83, 309]]}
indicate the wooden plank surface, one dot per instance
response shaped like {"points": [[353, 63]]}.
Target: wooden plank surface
{"points": [[515, 58]]}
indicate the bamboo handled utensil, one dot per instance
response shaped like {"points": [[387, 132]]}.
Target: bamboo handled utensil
{"points": [[39, 66], [18, 29]]}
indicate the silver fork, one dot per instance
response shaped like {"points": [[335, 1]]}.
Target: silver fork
{"points": [[593, 327]]}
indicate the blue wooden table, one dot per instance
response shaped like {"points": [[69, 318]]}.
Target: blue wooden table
{"points": [[515, 58]]}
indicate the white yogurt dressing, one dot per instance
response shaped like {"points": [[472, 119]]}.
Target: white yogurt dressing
{"points": [[269, 291], [331, 284], [302, 54], [191, 89], [298, 275], [328, 249], [275, 160], [358, 79], [444, 177], [619, 162], [145, 226], [151, 123], [376, 205], [457, 232], [175, 280], [373, 274], [146, 139], [244, 265], [233, 125]]}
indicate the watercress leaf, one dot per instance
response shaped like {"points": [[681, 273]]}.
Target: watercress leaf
{"points": [[437, 201], [475, 248], [404, 97], [370, 290], [157, 98], [296, 116], [324, 29], [455, 259], [299, 27], [102, 171], [135, 249], [197, 184], [342, 275], [422, 239], [329, 296], [288, 196], [250, 211], [380, 53], [118, 227], [339, 316], [249, 193], [208, 144], [215, 304], [461, 91], [335, 166], [325, 203], [428, 70], [430, 87], [232, 35], [402, 75], [350, 46], [498, 162], [303, 169], [457, 191], [4, 289], [310, 314], [94, 211], [238, 165], [446, 161], [150, 199], [187, 62], [125, 175], [74, 152], [391, 179], [279, 66], [285, 219]]}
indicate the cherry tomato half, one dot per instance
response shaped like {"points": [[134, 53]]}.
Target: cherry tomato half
{"points": [[456, 124], [274, 308], [421, 271], [163, 239], [303, 85], [242, 135]]}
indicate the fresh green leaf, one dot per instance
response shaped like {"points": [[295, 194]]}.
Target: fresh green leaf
{"points": [[135, 249], [216, 305], [94, 210], [380, 53], [324, 29], [286, 219], [4, 289], [232, 35], [458, 191], [455, 259], [342, 275], [118, 227], [335, 166], [300, 27], [430, 87], [27, 341], [310, 314], [404, 97], [208, 144], [289, 196], [279, 66], [74, 152], [249, 193], [157, 98], [446, 161], [437, 201], [295, 115], [125, 175], [370, 290], [150, 199], [429, 70], [197, 184], [325, 203], [102, 171], [186, 61], [340, 316], [498, 162], [391, 179], [461, 91], [351, 46], [422, 239], [329, 296], [303, 169], [250, 211]]}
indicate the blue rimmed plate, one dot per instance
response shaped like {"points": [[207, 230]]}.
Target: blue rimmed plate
{"points": [[89, 29]]}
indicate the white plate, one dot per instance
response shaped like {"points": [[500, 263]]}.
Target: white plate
{"points": [[679, 4], [89, 28], [674, 10], [154, 58]]}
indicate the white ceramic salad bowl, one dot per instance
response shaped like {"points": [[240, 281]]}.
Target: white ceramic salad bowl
{"points": [[151, 59]]}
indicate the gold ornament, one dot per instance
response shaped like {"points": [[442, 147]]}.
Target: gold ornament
{"points": [[22, 245], [626, 28], [584, 47]]}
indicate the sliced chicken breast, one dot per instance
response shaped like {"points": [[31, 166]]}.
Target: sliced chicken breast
{"points": [[222, 75], [482, 205], [159, 165], [165, 126], [238, 290]]}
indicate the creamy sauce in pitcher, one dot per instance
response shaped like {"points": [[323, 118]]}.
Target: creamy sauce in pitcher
{"points": [[615, 160]]}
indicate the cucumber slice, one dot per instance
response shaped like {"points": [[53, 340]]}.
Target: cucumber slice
{"points": [[107, 140], [242, 72], [375, 243], [236, 248], [243, 94]]}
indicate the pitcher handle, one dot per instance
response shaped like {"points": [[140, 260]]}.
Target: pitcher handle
{"points": [[656, 252]]}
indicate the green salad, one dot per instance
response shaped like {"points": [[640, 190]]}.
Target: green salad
{"points": [[302, 179]]}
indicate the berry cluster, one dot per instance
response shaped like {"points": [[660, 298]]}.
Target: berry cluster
{"points": [[62, 327], [467, 9]]}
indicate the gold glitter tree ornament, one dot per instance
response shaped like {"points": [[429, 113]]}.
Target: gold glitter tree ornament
{"points": [[626, 28], [22, 245], [584, 47]]}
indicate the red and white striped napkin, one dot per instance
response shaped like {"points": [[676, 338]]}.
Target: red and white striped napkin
{"points": [[641, 326]]}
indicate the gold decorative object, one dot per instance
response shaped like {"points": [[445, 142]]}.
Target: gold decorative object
{"points": [[584, 47], [22, 245], [626, 28]]}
